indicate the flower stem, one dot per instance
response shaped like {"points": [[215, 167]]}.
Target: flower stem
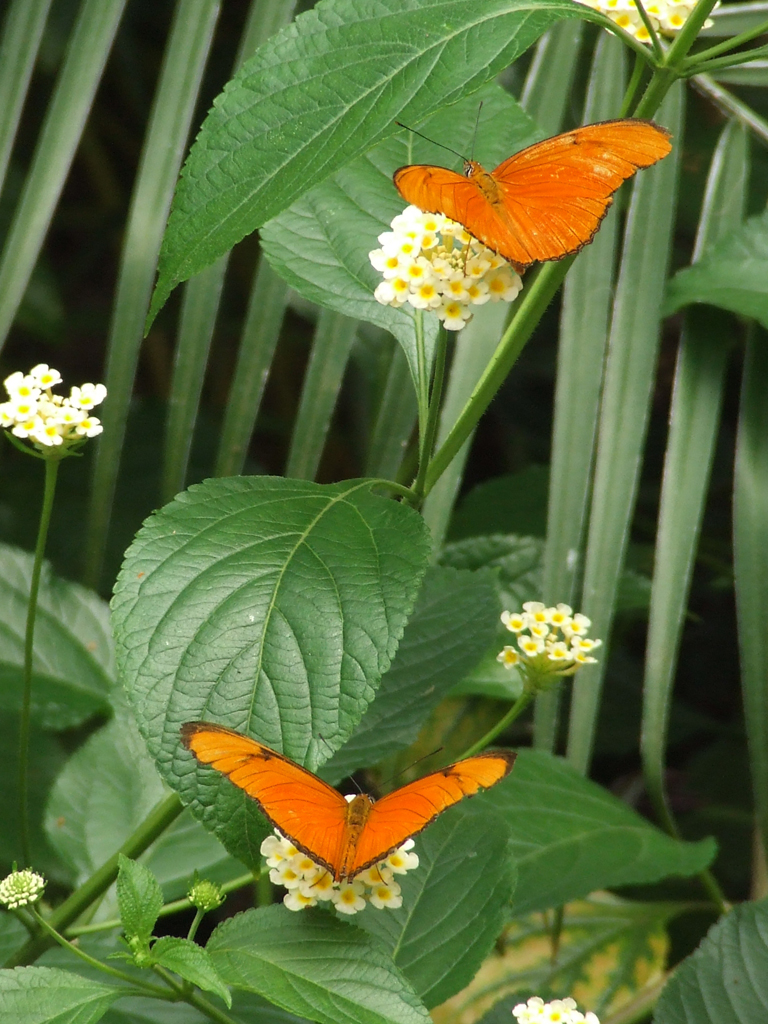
{"points": [[156, 822], [634, 82], [144, 987], [514, 712], [535, 300], [51, 473], [199, 915]]}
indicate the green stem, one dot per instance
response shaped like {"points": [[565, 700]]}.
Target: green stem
{"points": [[634, 82], [433, 415], [662, 81], [145, 987], [655, 44], [156, 822], [404, 492], [728, 45], [423, 388], [195, 924], [51, 473], [535, 301], [708, 66], [514, 712], [200, 1002], [686, 37], [169, 908]]}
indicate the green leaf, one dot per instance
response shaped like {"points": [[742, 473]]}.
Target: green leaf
{"points": [[571, 836], [609, 950], [516, 559], [315, 966], [726, 979], [321, 244], [323, 91], [454, 905], [452, 624], [270, 605], [47, 757], [191, 962], [140, 899], [73, 664], [514, 503], [45, 995], [107, 788], [12, 935], [733, 274]]}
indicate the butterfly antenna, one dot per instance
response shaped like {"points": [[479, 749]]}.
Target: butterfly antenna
{"points": [[427, 138], [411, 765], [474, 134]]}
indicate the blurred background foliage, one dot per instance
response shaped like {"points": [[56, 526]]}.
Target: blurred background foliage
{"points": [[64, 320]]}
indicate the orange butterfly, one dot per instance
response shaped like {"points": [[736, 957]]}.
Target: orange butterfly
{"points": [[346, 838], [546, 201]]}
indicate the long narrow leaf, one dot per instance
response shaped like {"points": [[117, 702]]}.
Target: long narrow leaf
{"points": [[22, 32], [80, 75], [395, 420], [474, 347], [203, 293], [266, 307], [546, 94], [632, 352], [166, 139], [751, 564], [330, 351], [695, 415], [584, 322]]}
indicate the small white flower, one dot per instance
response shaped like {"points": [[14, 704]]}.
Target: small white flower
{"points": [[508, 657], [319, 887], [21, 385], [294, 899], [21, 888], [386, 895], [348, 898], [26, 428], [45, 375], [514, 621], [89, 427], [88, 395], [284, 874]]}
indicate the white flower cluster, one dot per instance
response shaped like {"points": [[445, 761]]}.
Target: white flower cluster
{"points": [[559, 1011], [35, 413], [550, 641], [433, 263], [666, 16], [20, 888], [309, 884]]}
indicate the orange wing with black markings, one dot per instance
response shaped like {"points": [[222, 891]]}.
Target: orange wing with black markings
{"points": [[305, 809], [346, 838], [405, 812], [546, 201]]}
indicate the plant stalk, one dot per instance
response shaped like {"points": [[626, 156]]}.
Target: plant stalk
{"points": [[51, 474]]}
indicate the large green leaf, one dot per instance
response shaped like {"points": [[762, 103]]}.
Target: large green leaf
{"points": [[726, 980], [454, 905], [608, 951], [46, 995], [315, 966], [325, 90], [191, 962], [320, 245], [733, 274], [270, 605], [105, 791], [452, 624], [571, 836], [46, 759], [73, 664]]}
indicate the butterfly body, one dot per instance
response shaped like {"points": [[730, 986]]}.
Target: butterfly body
{"points": [[545, 202], [346, 837]]}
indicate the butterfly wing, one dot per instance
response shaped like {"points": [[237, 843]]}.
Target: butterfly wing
{"points": [[438, 190], [553, 195], [404, 813], [306, 810]]}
